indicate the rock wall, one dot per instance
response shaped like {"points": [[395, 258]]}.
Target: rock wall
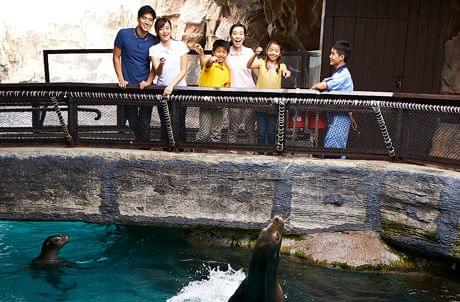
{"points": [[296, 23], [413, 206], [82, 24]]}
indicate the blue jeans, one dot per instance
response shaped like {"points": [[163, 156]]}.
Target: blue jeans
{"points": [[267, 124]]}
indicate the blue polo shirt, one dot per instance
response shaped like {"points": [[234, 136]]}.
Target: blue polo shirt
{"points": [[340, 80], [135, 61]]}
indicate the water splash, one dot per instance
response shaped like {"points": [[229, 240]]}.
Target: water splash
{"points": [[219, 287]]}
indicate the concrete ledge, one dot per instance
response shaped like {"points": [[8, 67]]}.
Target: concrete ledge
{"points": [[417, 207]]}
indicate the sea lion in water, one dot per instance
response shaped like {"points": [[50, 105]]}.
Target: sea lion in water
{"points": [[49, 263], [49, 255], [261, 283]]}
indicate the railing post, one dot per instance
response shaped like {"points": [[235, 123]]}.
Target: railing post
{"points": [[65, 128], [72, 118], [302, 82]]}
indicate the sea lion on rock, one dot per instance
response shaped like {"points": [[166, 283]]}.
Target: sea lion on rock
{"points": [[49, 255], [261, 283]]}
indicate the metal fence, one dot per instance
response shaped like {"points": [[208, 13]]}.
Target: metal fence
{"points": [[304, 65], [400, 127]]}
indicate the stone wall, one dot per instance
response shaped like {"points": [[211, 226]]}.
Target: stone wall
{"points": [[413, 206]]}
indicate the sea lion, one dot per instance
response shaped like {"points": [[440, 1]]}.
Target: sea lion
{"points": [[261, 283], [50, 264], [49, 255]]}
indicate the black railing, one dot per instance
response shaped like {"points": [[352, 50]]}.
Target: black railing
{"points": [[401, 127], [298, 62]]}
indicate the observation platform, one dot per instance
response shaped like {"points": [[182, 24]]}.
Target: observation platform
{"points": [[49, 176]]}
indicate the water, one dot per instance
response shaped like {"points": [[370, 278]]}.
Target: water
{"points": [[151, 264]]}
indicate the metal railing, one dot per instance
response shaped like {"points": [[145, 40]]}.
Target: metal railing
{"points": [[400, 127], [298, 61]]}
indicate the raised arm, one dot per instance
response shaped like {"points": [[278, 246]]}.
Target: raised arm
{"points": [[203, 59], [117, 66], [157, 65], [252, 63]]}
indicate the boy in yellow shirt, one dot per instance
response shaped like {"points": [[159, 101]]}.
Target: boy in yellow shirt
{"points": [[214, 73]]}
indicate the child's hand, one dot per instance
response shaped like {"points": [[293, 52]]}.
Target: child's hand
{"points": [[198, 49], [286, 73], [259, 50], [212, 59]]}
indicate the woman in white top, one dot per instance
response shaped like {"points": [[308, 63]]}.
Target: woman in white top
{"points": [[241, 76], [169, 60]]}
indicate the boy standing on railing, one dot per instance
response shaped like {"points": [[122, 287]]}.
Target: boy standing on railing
{"points": [[214, 73], [338, 123], [132, 65]]}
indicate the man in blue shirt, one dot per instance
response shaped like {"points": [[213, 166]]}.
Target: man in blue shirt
{"points": [[338, 124], [132, 66]]}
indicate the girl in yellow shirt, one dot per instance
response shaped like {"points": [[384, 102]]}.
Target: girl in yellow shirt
{"points": [[270, 72]]}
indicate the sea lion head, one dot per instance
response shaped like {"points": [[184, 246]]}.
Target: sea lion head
{"points": [[270, 238], [51, 246]]}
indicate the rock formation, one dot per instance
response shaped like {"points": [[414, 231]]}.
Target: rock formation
{"points": [[21, 48], [296, 23]]}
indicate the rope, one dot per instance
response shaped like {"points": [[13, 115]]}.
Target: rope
{"points": [[384, 130], [281, 126], [374, 103], [164, 105], [408, 105], [65, 130]]}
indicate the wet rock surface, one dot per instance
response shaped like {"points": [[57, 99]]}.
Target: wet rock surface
{"points": [[355, 249]]}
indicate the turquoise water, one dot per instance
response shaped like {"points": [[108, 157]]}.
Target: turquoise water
{"points": [[151, 264]]}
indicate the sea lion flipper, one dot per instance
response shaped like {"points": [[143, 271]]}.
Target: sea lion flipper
{"points": [[238, 296]]}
